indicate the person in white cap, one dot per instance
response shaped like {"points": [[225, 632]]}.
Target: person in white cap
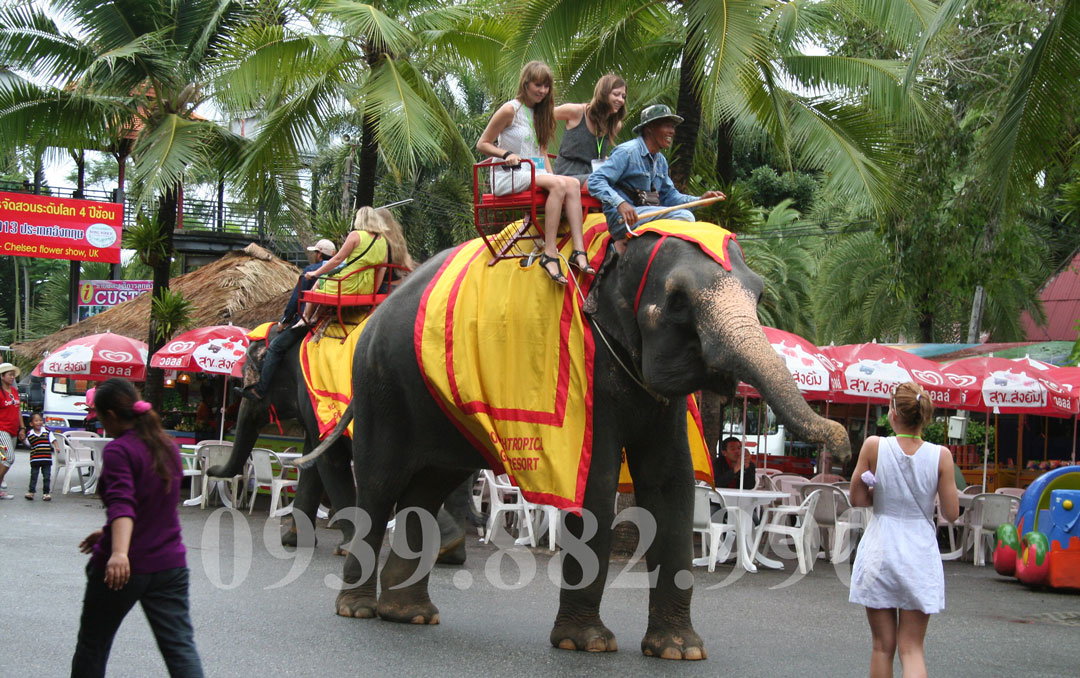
{"points": [[11, 421], [288, 333]]}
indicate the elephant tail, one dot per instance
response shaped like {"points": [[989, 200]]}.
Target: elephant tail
{"points": [[308, 459]]}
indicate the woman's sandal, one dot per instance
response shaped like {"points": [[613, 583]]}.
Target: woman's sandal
{"points": [[587, 269], [557, 276]]}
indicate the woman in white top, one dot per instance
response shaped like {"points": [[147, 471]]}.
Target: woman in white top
{"points": [[897, 574], [523, 128]]}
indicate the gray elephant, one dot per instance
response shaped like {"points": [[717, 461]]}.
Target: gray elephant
{"points": [[676, 321], [289, 399]]}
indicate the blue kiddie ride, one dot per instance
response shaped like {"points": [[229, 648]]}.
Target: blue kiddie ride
{"points": [[1043, 548]]}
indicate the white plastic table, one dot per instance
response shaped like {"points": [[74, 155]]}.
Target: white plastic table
{"points": [[742, 503]]}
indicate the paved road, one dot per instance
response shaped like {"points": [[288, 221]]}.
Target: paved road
{"points": [[753, 625]]}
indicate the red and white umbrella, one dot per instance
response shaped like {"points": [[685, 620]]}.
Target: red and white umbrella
{"points": [[814, 373], [214, 350], [873, 371], [1011, 387], [97, 357]]}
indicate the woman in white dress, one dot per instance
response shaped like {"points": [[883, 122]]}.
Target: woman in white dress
{"points": [[897, 574], [522, 128]]}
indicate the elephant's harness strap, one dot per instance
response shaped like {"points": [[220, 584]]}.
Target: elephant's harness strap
{"points": [[274, 418], [645, 275]]}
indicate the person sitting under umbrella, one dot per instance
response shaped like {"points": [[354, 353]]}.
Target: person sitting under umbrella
{"points": [[728, 468]]}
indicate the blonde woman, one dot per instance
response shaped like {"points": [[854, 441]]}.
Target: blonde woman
{"points": [[523, 128], [364, 246], [397, 252], [897, 573]]}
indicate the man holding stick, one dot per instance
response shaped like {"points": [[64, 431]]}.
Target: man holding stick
{"points": [[634, 180]]}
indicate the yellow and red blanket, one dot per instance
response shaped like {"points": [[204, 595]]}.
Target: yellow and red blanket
{"points": [[508, 355], [327, 368]]}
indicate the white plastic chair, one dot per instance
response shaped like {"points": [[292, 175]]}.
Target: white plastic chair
{"points": [[774, 521], [972, 489], [504, 500], [214, 453], [264, 477], [545, 519], [789, 483], [835, 515], [1011, 491], [189, 463], [76, 458], [716, 537], [81, 434], [986, 512]]}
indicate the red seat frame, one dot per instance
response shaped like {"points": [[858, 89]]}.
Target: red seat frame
{"points": [[339, 300], [493, 213]]}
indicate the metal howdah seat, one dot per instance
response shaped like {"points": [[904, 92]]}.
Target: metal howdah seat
{"points": [[338, 300], [494, 213]]}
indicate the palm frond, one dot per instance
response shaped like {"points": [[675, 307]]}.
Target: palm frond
{"points": [[380, 33], [407, 127]]}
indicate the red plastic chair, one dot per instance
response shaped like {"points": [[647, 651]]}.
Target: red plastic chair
{"points": [[493, 213], [339, 300]]}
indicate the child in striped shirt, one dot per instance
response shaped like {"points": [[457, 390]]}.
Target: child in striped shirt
{"points": [[40, 441]]}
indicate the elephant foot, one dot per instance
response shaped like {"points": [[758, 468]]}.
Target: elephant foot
{"points": [[593, 637], [404, 612], [685, 644], [289, 535], [358, 603], [452, 553]]}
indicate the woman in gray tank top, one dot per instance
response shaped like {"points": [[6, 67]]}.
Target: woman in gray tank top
{"points": [[524, 127], [591, 128]]}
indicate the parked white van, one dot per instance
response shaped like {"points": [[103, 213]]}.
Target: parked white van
{"points": [[65, 402]]}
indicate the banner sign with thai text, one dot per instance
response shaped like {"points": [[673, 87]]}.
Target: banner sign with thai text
{"points": [[97, 295], [60, 228]]}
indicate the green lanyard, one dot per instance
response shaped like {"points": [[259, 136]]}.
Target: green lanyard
{"points": [[599, 146]]}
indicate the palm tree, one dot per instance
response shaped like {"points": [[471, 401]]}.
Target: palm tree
{"points": [[782, 253], [341, 64], [1035, 126], [126, 70], [737, 66]]}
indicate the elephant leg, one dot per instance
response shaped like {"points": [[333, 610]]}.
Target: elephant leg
{"points": [[403, 593], [578, 625], [306, 502], [336, 474], [452, 519], [664, 485]]}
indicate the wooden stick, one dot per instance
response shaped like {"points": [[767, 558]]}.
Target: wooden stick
{"points": [[668, 210]]}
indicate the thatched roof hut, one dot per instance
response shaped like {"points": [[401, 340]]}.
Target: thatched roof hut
{"points": [[245, 287]]}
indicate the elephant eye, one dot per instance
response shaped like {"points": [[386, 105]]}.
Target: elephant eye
{"points": [[678, 308]]}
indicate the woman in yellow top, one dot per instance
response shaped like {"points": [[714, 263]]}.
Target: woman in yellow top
{"points": [[364, 246]]}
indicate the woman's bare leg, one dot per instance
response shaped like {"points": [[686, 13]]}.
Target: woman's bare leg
{"points": [[553, 208], [909, 639], [883, 630]]}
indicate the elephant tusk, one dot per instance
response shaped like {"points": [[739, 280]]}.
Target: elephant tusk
{"points": [[308, 459]]}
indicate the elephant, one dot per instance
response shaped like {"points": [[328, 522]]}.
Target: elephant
{"points": [[289, 399], [696, 327]]}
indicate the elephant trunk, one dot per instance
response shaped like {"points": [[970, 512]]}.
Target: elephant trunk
{"points": [[249, 420], [733, 341]]}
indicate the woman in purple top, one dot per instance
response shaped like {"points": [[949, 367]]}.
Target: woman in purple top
{"points": [[138, 557]]}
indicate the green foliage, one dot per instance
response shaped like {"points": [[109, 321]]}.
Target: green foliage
{"points": [[934, 432], [768, 189], [171, 313], [148, 239]]}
